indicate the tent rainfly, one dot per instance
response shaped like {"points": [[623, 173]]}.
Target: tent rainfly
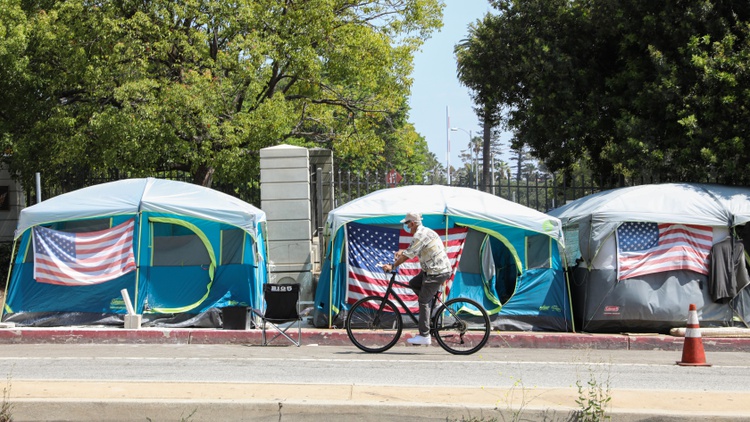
{"points": [[181, 251], [505, 256], [641, 255]]}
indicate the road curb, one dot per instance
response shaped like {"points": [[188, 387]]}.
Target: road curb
{"points": [[338, 337]]}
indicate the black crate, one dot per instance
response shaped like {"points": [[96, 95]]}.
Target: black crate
{"points": [[235, 317]]}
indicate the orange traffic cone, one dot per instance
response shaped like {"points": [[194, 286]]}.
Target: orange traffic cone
{"points": [[692, 351]]}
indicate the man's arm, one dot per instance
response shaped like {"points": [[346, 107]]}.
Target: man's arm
{"points": [[400, 259]]}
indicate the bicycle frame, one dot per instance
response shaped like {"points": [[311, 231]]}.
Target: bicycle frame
{"points": [[374, 322], [390, 292]]}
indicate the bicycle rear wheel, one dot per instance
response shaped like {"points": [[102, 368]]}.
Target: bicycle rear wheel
{"points": [[372, 327], [461, 326]]}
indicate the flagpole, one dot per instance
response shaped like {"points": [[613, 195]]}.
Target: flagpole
{"points": [[448, 143]]}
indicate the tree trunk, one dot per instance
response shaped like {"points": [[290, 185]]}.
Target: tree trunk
{"points": [[204, 175], [486, 139]]}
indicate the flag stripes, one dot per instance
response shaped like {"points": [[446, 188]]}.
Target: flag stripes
{"points": [[648, 248], [372, 246], [76, 259]]}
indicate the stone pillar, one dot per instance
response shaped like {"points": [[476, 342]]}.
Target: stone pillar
{"points": [[285, 198]]}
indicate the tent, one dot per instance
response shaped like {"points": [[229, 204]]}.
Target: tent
{"points": [[689, 232], [185, 252], [506, 256]]}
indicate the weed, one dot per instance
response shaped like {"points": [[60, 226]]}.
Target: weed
{"points": [[182, 417], [6, 407], [518, 388], [474, 419], [593, 397]]}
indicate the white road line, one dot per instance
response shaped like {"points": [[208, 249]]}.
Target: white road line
{"points": [[329, 360]]}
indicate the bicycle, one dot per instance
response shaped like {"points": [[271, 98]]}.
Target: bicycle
{"points": [[374, 324]]}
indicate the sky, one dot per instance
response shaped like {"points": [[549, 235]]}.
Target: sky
{"points": [[436, 92]]}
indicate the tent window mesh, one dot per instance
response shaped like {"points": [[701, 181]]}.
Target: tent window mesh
{"points": [[538, 251], [83, 226], [572, 248], [176, 246], [231, 246]]}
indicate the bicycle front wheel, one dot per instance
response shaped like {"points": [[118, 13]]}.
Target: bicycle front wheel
{"points": [[461, 326], [374, 324]]}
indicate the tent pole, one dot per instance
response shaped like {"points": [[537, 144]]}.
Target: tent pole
{"points": [[7, 279], [330, 281], [445, 245], [330, 293], [138, 263], [566, 274], [259, 289]]}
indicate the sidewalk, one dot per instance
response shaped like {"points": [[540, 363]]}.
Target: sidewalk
{"points": [[338, 337], [170, 401]]}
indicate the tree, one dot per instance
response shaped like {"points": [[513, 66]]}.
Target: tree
{"points": [[13, 42], [471, 65], [201, 86], [636, 88]]}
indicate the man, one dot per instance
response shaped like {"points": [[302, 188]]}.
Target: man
{"points": [[436, 269]]}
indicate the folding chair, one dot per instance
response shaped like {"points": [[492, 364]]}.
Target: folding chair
{"points": [[281, 307]]}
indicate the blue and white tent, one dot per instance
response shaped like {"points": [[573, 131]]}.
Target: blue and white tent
{"points": [[511, 261], [195, 249]]}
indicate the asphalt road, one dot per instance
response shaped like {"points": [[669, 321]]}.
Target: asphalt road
{"points": [[238, 382]]}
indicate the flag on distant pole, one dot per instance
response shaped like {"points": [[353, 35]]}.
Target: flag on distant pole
{"points": [[79, 259]]}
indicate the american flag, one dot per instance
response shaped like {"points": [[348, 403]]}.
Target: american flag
{"points": [[77, 259], [372, 246], [647, 248]]}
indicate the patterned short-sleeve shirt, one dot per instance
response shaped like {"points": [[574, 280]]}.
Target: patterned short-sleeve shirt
{"points": [[432, 256]]}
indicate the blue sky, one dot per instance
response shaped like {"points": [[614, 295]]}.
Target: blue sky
{"points": [[436, 88]]}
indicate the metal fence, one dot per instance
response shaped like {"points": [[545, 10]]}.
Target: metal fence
{"points": [[248, 192], [542, 194]]}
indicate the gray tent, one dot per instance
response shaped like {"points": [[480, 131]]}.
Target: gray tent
{"points": [[641, 255]]}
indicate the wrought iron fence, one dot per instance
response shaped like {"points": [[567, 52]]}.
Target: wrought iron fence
{"points": [[248, 192], [542, 194]]}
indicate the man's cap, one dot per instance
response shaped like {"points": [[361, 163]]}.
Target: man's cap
{"points": [[412, 216]]}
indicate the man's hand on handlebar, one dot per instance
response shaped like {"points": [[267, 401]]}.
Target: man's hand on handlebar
{"points": [[399, 259]]}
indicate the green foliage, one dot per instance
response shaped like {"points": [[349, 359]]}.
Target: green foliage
{"points": [[637, 88], [595, 394], [201, 86], [6, 407]]}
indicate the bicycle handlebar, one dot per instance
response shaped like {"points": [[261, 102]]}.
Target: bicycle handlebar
{"points": [[394, 269]]}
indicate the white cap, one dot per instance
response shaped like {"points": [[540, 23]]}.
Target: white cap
{"points": [[412, 216]]}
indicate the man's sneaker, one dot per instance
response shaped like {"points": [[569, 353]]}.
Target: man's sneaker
{"points": [[420, 340]]}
